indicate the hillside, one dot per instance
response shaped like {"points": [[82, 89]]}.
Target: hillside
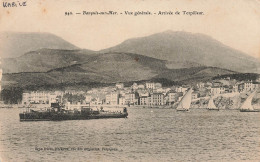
{"points": [[195, 73], [183, 47], [111, 68], [44, 60], [15, 44]]}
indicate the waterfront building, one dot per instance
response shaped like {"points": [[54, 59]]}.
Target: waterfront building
{"points": [[112, 98], [26, 98], [157, 99], [39, 97], [149, 101], [172, 97], [166, 100], [122, 100], [95, 101], [143, 100], [131, 98], [108, 99]]}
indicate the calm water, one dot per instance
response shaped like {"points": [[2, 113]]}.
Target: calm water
{"points": [[147, 135]]}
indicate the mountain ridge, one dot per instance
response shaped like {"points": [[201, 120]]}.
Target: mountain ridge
{"points": [[15, 44], [184, 46]]}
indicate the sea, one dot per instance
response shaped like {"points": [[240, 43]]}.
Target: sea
{"points": [[146, 135]]}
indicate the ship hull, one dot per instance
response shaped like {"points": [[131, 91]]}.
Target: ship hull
{"points": [[182, 109], [213, 109], [47, 116], [245, 110]]}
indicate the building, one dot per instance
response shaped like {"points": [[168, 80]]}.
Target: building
{"points": [[247, 86], [217, 84], [194, 95], [172, 97], [235, 88], [119, 85], [250, 86], [1, 73], [257, 79], [131, 98], [181, 89], [122, 101], [134, 86], [149, 101], [112, 98], [141, 86], [88, 98], [52, 98], [200, 85], [143, 100], [157, 99], [217, 90], [108, 99], [143, 93], [26, 98], [39, 97], [149, 85], [241, 87], [166, 100], [157, 85], [96, 101]]}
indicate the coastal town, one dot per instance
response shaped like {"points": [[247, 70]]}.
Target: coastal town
{"points": [[228, 93]]}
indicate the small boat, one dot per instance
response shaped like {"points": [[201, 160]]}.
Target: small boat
{"points": [[247, 105], [185, 102], [211, 105]]}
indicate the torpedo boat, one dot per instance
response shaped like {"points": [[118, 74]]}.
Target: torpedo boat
{"points": [[56, 113]]}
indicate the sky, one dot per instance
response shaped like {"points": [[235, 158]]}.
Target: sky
{"points": [[235, 23]]}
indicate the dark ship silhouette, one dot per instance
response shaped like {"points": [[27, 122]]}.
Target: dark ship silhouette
{"points": [[56, 113]]}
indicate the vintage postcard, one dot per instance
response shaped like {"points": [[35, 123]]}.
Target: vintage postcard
{"points": [[133, 80]]}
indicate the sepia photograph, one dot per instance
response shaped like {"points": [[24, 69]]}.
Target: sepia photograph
{"points": [[133, 80]]}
